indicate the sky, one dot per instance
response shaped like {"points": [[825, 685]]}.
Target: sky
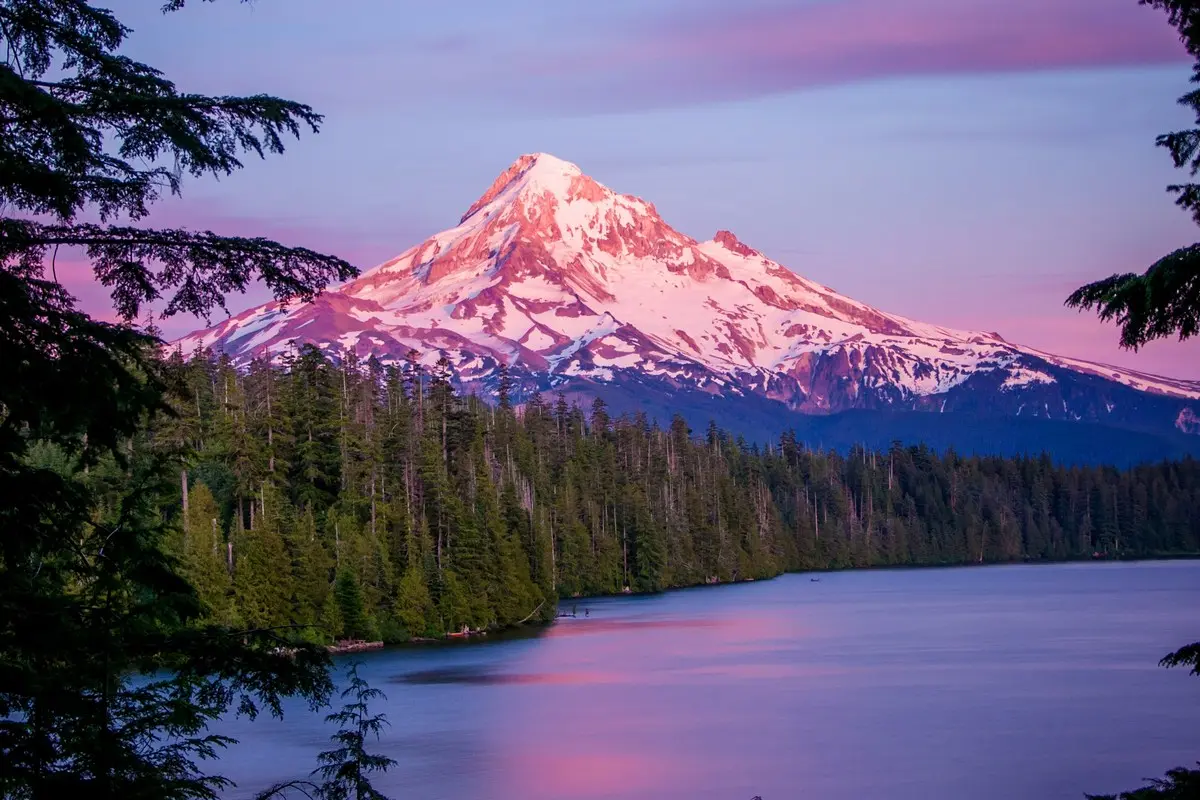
{"points": [[962, 162]]}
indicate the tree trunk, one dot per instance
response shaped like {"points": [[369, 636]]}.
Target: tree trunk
{"points": [[183, 480], [270, 425], [624, 557]]}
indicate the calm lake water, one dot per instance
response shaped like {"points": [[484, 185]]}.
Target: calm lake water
{"points": [[996, 682]]}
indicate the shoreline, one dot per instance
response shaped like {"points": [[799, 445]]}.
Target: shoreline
{"points": [[529, 630], [902, 567]]}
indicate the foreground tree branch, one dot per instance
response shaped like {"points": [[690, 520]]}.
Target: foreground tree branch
{"points": [[196, 269], [1163, 302], [1187, 656], [91, 597]]}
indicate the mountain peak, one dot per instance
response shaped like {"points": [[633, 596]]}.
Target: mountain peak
{"points": [[575, 285], [735, 245], [540, 169], [550, 163]]}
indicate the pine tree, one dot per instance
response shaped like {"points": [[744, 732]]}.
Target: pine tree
{"points": [[89, 597], [346, 770], [264, 584], [204, 555], [414, 605], [454, 603], [356, 625], [647, 544], [1165, 300], [312, 567], [504, 388]]}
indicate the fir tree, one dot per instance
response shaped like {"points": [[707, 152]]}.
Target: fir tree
{"points": [[89, 597], [205, 556], [355, 623], [346, 770], [1165, 300], [263, 580], [312, 566], [414, 605]]}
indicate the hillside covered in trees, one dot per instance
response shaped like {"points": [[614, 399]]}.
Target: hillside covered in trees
{"points": [[373, 501]]}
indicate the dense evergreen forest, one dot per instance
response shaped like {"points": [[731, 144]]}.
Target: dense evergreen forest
{"points": [[373, 501]]}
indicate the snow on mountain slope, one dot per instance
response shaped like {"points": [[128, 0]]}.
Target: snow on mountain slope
{"points": [[568, 281]]}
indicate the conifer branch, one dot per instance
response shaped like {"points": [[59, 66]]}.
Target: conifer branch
{"points": [[197, 269]]}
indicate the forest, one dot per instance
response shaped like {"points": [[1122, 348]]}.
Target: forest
{"points": [[370, 501]]}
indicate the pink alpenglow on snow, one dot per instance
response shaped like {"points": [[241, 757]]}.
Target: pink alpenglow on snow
{"points": [[571, 284], [870, 143]]}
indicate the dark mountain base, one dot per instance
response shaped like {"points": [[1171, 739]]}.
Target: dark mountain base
{"points": [[763, 421]]}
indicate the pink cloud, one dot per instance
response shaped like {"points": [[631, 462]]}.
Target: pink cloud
{"points": [[737, 52]]}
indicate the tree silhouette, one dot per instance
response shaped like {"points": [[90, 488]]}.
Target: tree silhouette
{"points": [[89, 597], [1165, 300], [346, 769]]}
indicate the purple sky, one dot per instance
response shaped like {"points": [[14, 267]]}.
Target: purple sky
{"points": [[963, 162]]}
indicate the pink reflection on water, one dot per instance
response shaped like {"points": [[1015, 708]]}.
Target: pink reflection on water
{"points": [[576, 678], [596, 626], [615, 725], [779, 672], [606, 773], [734, 630]]}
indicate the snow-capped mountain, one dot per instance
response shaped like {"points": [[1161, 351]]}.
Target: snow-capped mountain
{"points": [[576, 286]]}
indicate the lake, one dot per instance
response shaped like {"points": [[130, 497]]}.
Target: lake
{"points": [[987, 683]]}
